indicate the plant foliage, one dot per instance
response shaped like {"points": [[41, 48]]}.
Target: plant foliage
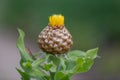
{"points": [[53, 67]]}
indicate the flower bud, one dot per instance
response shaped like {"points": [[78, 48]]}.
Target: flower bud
{"points": [[55, 38]]}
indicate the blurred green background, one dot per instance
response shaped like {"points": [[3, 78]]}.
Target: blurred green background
{"points": [[93, 23]]}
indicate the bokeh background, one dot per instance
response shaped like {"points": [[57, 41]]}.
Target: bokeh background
{"points": [[93, 23]]}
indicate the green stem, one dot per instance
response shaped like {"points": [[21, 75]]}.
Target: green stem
{"points": [[52, 75]]}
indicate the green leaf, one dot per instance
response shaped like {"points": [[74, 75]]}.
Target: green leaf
{"points": [[62, 62], [55, 62], [74, 62], [87, 65], [53, 68], [79, 65], [61, 76], [37, 62], [48, 66], [33, 71], [79, 61], [76, 54], [26, 65], [92, 53], [21, 47], [70, 65], [23, 74], [36, 73], [47, 77], [83, 65], [54, 59]]}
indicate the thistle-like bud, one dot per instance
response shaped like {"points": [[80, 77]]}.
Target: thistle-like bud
{"points": [[55, 38]]}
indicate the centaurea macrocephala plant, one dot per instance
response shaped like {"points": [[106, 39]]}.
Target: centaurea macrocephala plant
{"points": [[57, 61]]}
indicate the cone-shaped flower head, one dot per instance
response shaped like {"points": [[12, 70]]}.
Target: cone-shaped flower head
{"points": [[55, 38]]}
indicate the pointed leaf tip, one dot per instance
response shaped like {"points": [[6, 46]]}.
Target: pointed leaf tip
{"points": [[92, 53], [24, 76]]}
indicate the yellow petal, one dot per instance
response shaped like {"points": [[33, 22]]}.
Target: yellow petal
{"points": [[56, 20]]}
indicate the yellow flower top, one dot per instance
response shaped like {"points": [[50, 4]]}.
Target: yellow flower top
{"points": [[56, 20]]}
